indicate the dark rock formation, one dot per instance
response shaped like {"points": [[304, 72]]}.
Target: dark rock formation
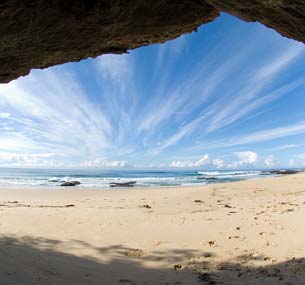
{"points": [[206, 178], [285, 16], [70, 183], [284, 172], [42, 33], [122, 184]]}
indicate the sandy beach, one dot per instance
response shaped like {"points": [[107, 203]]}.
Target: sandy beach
{"points": [[248, 232]]}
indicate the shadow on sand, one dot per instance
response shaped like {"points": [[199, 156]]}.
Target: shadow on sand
{"points": [[30, 260]]}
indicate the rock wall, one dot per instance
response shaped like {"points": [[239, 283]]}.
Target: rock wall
{"points": [[285, 16], [42, 33]]}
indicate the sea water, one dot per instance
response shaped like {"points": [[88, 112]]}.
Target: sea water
{"points": [[95, 178]]}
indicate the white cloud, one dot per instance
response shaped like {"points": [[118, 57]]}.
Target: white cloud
{"points": [[181, 164], [184, 131], [237, 101], [27, 159], [202, 82], [159, 110], [104, 163], [244, 100], [301, 155], [119, 96], [259, 136], [269, 161], [291, 163], [274, 133], [286, 146], [4, 115], [218, 163], [205, 160], [52, 112], [116, 68], [244, 106], [245, 158], [196, 86], [280, 62]]}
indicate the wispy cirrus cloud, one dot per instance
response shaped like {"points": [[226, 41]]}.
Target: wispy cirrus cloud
{"points": [[287, 146], [51, 112], [245, 100], [259, 136], [158, 104], [223, 107]]}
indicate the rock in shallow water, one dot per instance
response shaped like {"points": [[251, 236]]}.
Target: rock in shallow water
{"points": [[70, 183], [122, 184], [284, 172]]}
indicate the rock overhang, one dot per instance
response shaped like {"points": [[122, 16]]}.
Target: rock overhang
{"points": [[41, 33]]}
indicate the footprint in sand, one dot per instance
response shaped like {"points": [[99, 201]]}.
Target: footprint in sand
{"points": [[146, 206], [231, 237], [134, 252], [126, 281]]}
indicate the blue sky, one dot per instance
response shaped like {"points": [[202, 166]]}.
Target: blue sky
{"points": [[228, 96]]}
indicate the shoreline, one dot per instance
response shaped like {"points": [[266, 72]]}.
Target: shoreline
{"points": [[18, 178], [245, 232], [136, 187]]}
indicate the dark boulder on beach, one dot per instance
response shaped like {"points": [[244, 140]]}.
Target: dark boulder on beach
{"points": [[283, 172], [70, 183]]}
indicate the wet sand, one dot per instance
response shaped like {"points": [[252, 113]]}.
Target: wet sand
{"points": [[248, 232]]}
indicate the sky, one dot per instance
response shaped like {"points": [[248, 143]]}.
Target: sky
{"points": [[229, 96]]}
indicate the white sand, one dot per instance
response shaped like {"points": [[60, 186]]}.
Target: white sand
{"points": [[250, 232]]}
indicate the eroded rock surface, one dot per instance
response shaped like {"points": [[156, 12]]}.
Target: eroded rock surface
{"points": [[285, 16], [42, 33]]}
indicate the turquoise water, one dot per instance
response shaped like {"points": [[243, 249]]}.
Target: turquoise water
{"points": [[94, 178]]}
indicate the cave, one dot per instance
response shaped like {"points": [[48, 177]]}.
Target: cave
{"points": [[38, 34]]}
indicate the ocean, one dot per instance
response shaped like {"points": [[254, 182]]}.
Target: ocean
{"points": [[93, 178]]}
